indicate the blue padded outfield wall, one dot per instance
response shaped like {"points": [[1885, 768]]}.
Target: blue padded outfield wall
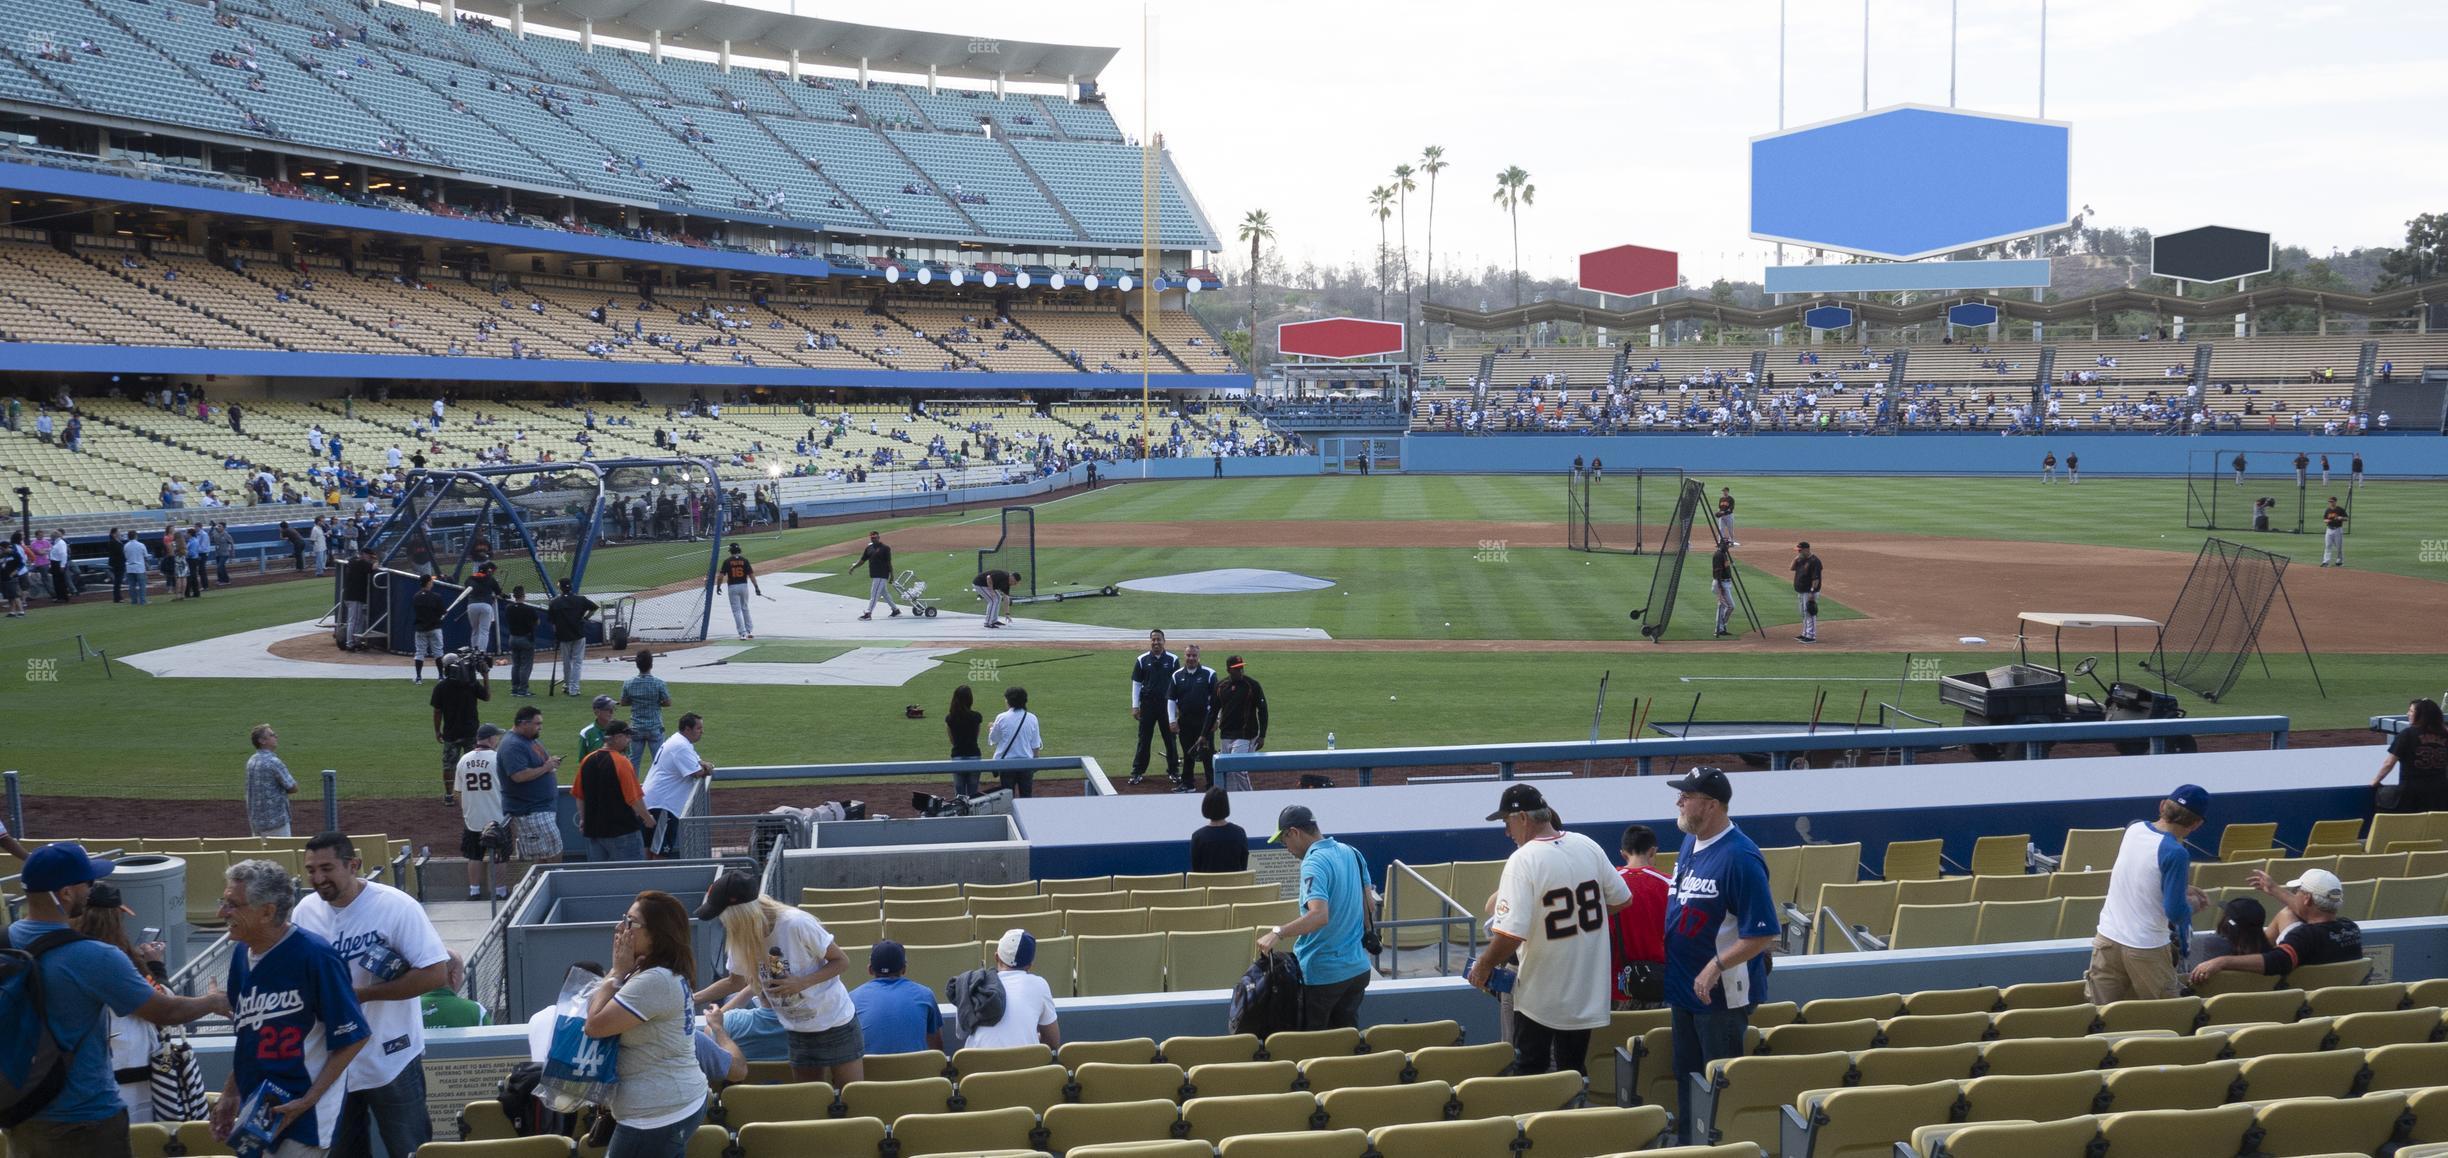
{"points": [[2409, 455]]}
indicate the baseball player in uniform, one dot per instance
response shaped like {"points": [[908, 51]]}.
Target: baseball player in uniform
{"points": [[738, 576], [2355, 471], [1806, 577], [2303, 463], [878, 558], [1725, 515], [2048, 468], [2333, 535], [1721, 581], [1552, 904], [995, 588], [2324, 470], [2073, 469], [2238, 464]]}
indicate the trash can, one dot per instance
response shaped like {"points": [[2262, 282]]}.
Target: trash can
{"points": [[154, 887]]}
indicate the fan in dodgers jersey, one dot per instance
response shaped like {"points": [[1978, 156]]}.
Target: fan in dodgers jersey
{"points": [[294, 1013]]}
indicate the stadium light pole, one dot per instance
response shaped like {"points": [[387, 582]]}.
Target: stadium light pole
{"points": [[1954, 31], [2044, 59]]}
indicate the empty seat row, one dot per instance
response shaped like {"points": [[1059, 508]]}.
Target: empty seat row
{"points": [[2371, 1124], [1642, 1072], [1820, 1105]]}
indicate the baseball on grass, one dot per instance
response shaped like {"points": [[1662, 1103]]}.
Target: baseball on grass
{"points": [[1393, 697]]}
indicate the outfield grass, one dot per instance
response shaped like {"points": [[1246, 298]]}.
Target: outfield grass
{"points": [[2392, 519], [73, 730], [1421, 593], [135, 735]]}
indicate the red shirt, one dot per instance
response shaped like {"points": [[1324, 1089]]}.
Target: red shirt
{"points": [[1640, 927]]}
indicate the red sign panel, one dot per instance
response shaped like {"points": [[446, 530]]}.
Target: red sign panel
{"points": [[1628, 270], [1339, 338]]}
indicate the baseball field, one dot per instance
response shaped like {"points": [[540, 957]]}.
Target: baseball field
{"points": [[1453, 614]]}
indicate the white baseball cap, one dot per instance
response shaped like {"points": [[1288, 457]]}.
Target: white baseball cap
{"points": [[2322, 885]]}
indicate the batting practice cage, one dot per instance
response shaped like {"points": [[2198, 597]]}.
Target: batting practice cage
{"points": [[2265, 493], [1603, 509], [1673, 546], [1015, 550], [2219, 615], [640, 537]]}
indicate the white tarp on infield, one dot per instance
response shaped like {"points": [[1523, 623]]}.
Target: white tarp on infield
{"points": [[1227, 581]]}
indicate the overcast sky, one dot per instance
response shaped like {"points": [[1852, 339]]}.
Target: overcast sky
{"points": [[2322, 122]]}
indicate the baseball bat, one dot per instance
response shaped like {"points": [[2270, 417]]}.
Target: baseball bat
{"points": [[1817, 704], [1860, 709]]}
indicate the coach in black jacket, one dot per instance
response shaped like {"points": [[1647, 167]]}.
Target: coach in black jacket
{"points": [[1190, 709], [1241, 718]]}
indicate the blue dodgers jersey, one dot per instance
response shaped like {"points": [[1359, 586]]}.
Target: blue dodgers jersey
{"points": [[291, 1007], [1720, 895]]}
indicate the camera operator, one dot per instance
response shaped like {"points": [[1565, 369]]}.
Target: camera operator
{"points": [[466, 682]]}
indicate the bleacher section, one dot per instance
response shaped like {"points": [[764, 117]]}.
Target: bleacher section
{"points": [[537, 112], [110, 293], [2265, 383]]}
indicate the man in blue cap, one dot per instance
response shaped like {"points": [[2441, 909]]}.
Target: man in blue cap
{"points": [[80, 979], [895, 1014], [1335, 899], [2146, 924]]}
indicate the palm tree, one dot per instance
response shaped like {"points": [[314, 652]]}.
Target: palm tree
{"points": [[1514, 190], [1403, 185], [1381, 206], [1257, 230], [1432, 162]]}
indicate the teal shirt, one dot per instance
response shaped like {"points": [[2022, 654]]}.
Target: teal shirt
{"points": [[1333, 872], [645, 695]]}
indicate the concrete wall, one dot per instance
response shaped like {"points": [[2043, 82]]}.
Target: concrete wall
{"points": [[1433, 823], [2389, 456]]}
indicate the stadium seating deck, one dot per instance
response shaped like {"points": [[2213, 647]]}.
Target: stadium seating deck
{"points": [[540, 112]]}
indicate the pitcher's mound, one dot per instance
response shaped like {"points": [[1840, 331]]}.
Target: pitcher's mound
{"points": [[1227, 581]]}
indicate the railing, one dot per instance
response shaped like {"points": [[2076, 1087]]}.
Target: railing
{"points": [[1096, 783], [1449, 913], [1781, 747], [488, 974]]}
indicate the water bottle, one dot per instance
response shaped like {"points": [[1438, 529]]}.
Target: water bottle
{"points": [[1330, 741]]}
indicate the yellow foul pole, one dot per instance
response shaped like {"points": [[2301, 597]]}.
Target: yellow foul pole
{"points": [[1147, 237]]}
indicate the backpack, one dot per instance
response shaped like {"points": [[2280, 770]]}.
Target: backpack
{"points": [[32, 1080], [1267, 998], [977, 999]]}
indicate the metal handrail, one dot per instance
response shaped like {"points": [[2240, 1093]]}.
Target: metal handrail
{"points": [[1444, 904], [1779, 745], [700, 798]]}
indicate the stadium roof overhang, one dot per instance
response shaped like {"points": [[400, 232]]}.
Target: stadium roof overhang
{"points": [[705, 25], [1934, 308]]}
